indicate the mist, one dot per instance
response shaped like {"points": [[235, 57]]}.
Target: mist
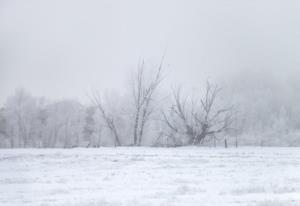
{"points": [[62, 49], [150, 102]]}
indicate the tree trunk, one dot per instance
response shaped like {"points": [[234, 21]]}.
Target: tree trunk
{"points": [[141, 133], [135, 129], [115, 133]]}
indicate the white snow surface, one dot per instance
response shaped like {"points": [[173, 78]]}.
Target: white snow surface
{"points": [[246, 176]]}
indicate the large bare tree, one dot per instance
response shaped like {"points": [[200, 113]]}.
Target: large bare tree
{"points": [[143, 88], [197, 120]]}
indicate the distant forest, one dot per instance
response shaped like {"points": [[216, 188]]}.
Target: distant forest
{"points": [[245, 110]]}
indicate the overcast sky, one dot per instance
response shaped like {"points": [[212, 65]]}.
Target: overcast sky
{"points": [[63, 48]]}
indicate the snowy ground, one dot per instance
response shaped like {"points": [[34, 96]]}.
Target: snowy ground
{"points": [[150, 176]]}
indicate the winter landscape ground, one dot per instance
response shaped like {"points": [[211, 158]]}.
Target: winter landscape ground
{"points": [[150, 176]]}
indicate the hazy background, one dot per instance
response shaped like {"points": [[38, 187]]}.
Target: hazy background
{"points": [[62, 49]]}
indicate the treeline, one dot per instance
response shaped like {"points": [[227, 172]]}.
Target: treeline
{"points": [[145, 115]]}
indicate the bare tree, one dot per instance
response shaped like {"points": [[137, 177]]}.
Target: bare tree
{"points": [[4, 129], [108, 118], [143, 88], [201, 119], [64, 121], [211, 120], [89, 127], [23, 107], [178, 118]]}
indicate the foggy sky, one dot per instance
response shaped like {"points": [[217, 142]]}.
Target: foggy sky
{"points": [[60, 48]]}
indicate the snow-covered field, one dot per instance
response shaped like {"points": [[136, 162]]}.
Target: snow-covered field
{"points": [[150, 176]]}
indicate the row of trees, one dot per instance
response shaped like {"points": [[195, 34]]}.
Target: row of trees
{"points": [[137, 119], [145, 115], [27, 121], [173, 124]]}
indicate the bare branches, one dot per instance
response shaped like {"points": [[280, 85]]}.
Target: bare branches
{"points": [[109, 119], [143, 90], [200, 120], [178, 120]]}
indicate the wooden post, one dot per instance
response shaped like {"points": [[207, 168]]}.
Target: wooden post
{"points": [[225, 141]]}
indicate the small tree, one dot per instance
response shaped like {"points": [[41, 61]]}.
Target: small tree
{"points": [[89, 127], [4, 128], [23, 110], [109, 119]]}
